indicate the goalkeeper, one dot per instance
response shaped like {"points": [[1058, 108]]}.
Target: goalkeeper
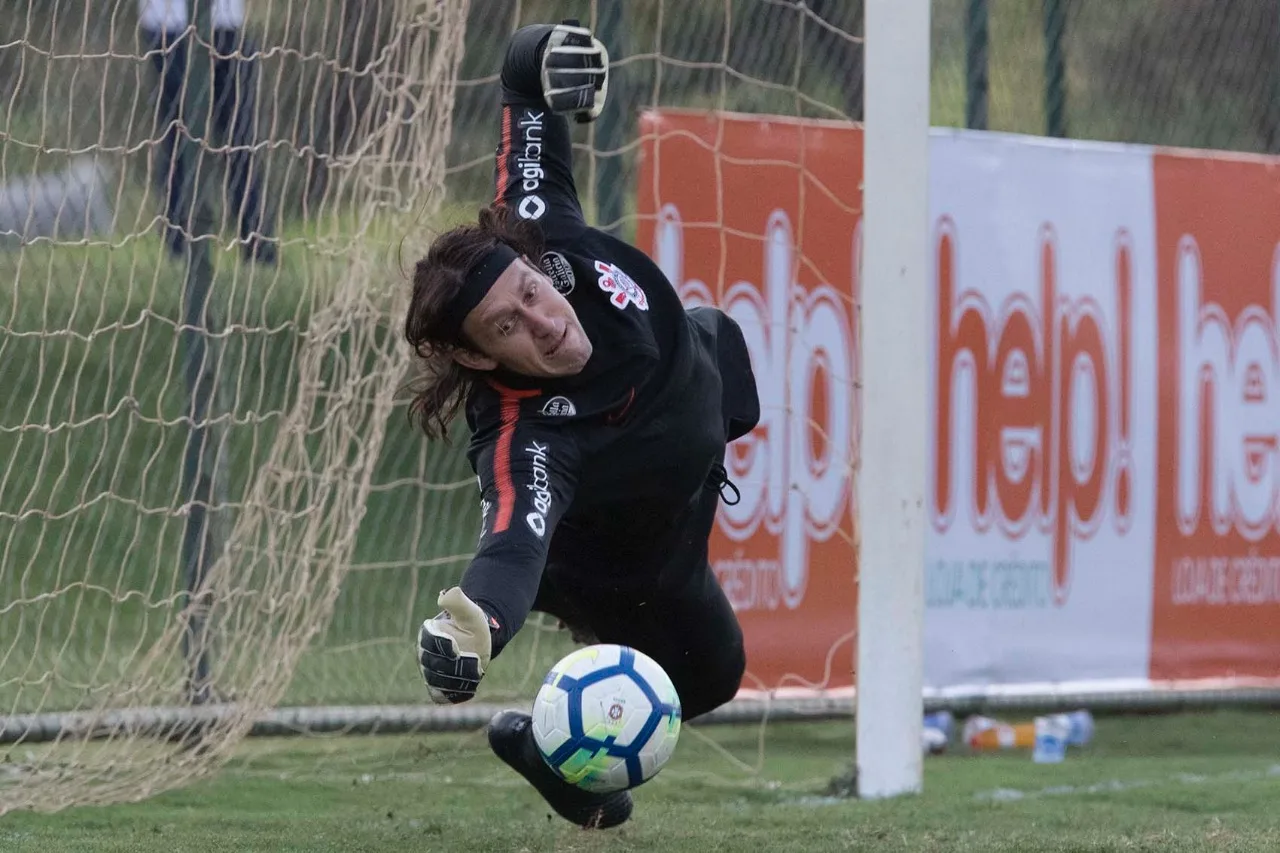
{"points": [[600, 409]]}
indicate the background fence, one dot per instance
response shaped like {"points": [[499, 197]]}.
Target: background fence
{"points": [[159, 364]]}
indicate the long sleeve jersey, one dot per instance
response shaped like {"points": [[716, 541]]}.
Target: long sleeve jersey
{"points": [[595, 470]]}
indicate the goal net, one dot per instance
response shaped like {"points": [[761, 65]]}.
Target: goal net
{"points": [[213, 512], [199, 218]]}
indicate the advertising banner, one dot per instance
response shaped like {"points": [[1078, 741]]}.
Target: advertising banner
{"points": [[1104, 468], [1217, 546], [765, 226], [1043, 460]]}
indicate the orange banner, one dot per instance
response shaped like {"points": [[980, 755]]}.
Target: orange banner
{"points": [[1216, 609], [1106, 486], [762, 217]]}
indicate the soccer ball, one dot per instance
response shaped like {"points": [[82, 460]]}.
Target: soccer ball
{"points": [[606, 718]]}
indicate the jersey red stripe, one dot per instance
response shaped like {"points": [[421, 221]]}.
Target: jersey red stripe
{"points": [[504, 154], [502, 453]]}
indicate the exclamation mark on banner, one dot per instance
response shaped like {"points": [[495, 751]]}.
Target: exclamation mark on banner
{"points": [[1124, 379]]}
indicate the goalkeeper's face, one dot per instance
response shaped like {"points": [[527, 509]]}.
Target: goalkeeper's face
{"points": [[524, 325]]}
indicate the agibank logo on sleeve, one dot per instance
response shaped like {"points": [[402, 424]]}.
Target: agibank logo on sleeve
{"points": [[540, 488], [623, 288], [529, 166]]}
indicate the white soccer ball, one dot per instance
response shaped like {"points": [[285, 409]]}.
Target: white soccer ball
{"points": [[606, 718]]}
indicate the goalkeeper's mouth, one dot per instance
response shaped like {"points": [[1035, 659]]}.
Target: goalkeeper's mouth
{"points": [[555, 348]]}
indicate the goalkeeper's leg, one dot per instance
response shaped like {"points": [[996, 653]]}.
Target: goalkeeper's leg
{"points": [[511, 739], [691, 632], [681, 619]]}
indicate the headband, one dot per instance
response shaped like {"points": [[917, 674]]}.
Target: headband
{"points": [[475, 284]]}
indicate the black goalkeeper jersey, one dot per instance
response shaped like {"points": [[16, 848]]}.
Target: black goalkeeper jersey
{"points": [[597, 473]]}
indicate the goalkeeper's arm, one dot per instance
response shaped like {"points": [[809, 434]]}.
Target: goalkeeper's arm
{"points": [[528, 475], [549, 72]]}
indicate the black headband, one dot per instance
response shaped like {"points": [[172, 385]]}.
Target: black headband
{"points": [[475, 284]]}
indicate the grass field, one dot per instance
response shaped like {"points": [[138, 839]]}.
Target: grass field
{"points": [[1185, 782], [91, 439]]}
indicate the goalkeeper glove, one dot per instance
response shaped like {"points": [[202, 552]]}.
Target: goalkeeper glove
{"points": [[454, 648], [575, 72]]}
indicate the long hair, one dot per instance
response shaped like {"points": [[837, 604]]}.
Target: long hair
{"points": [[443, 384]]}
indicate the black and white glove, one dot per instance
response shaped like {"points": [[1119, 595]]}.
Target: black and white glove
{"points": [[575, 72], [454, 648]]}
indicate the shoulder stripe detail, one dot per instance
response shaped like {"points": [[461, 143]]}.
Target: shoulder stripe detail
{"points": [[504, 155], [502, 453]]}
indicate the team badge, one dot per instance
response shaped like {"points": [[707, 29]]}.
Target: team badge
{"points": [[623, 289], [557, 268], [559, 407]]}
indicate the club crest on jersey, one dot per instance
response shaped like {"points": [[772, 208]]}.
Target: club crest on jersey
{"points": [[561, 407], [557, 268], [623, 288]]}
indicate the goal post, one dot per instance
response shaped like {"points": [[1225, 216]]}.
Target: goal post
{"points": [[894, 335]]}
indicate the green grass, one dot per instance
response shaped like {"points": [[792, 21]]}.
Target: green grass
{"points": [[1188, 782]]}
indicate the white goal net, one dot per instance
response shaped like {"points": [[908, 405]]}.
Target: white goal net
{"points": [[199, 217], [212, 507]]}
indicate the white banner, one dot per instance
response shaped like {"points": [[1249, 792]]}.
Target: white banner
{"points": [[1044, 388]]}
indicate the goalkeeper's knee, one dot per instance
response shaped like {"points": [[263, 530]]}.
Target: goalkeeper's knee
{"points": [[705, 688]]}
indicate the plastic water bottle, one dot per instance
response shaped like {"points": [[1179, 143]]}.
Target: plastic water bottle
{"points": [[943, 721], [1079, 727], [1051, 739], [935, 734], [932, 741], [984, 733]]}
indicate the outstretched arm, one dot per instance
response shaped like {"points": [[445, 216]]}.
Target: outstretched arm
{"points": [[527, 480], [527, 476], [550, 72]]}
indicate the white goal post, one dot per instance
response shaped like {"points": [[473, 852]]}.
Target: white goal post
{"points": [[894, 335]]}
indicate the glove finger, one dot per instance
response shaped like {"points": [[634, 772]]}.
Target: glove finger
{"points": [[572, 48], [561, 81], [585, 60], [438, 653], [436, 660], [456, 681], [569, 100], [431, 637], [461, 684], [459, 674], [573, 33]]}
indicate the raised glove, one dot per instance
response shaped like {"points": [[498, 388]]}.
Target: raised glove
{"points": [[575, 72], [454, 648]]}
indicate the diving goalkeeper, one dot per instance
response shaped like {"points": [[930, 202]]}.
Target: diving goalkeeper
{"points": [[599, 410]]}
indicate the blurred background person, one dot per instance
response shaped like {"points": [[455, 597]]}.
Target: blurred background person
{"points": [[232, 120]]}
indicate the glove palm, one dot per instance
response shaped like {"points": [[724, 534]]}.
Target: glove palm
{"points": [[454, 648]]}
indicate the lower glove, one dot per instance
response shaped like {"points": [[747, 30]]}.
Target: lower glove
{"points": [[454, 648]]}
